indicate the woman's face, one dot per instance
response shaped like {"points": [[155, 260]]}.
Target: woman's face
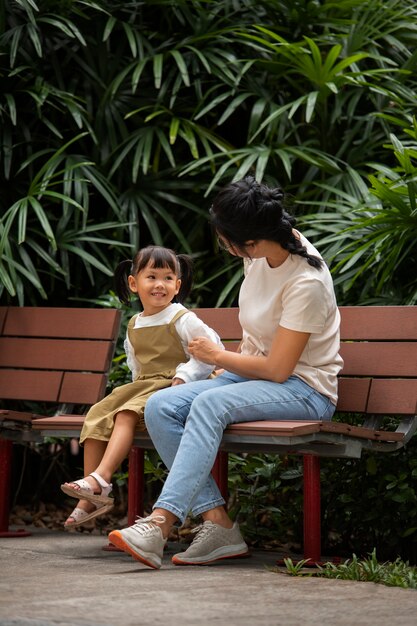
{"points": [[234, 250]]}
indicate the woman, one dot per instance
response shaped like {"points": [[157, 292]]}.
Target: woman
{"points": [[286, 369]]}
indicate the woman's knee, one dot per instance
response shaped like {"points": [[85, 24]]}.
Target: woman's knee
{"points": [[164, 405], [208, 407]]}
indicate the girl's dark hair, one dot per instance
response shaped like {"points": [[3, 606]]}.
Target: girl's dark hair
{"points": [[246, 210], [157, 256]]}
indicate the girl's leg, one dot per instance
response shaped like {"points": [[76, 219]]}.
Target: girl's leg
{"points": [[94, 450], [189, 484], [105, 457]]}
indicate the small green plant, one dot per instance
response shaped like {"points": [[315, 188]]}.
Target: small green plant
{"points": [[395, 574], [296, 569]]}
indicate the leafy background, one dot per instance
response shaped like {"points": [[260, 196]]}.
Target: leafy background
{"points": [[119, 120]]}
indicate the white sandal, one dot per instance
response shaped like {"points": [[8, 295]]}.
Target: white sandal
{"points": [[80, 516], [86, 491]]}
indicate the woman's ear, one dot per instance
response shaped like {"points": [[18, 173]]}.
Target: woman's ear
{"points": [[131, 281]]}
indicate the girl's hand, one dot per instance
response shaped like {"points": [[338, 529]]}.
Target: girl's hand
{"points": [[204, 350], [177, 381]]}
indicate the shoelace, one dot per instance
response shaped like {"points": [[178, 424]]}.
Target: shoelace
{"points": [[201, 532], [147, 525]]}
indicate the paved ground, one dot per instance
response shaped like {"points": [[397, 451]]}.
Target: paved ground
{"points": [[66, 579]]}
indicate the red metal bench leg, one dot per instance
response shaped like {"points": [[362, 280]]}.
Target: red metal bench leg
{"points": [[136, 485], [6, 450], [220, 472], [312, 522]]}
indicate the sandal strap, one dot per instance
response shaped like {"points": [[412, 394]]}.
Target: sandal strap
{"points": [[105, 486]]}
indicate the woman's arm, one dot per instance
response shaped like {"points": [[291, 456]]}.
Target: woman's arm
{"points": [[277, 366]]}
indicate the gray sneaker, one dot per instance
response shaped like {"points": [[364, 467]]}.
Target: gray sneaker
{"points": [[144, 540], [212, 543]]}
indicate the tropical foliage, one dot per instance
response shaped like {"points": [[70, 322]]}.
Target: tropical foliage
{"points": [[119, 119]]}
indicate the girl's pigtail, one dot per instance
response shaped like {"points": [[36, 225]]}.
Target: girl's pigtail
{"points": [[122, 271], [186, 266]]}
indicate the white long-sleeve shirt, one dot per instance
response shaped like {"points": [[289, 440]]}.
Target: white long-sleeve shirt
{"points": [[188, 327]]}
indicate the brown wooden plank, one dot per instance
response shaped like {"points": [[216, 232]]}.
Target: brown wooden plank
{"points": [[360, 431], [393, 397], [3, 314], [301, 428], [30, 385], [62, 322], [284, 428], [72, 354], [16, 416], [224, 321], [353, 394], [379, 358], [357, 322], [378, 322], [82, 388], [59, 422]]}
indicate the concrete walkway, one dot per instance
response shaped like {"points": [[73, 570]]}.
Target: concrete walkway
{"points": [[66, 579]]}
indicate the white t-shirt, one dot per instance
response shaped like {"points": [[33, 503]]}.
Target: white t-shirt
{"points": [[298, 297], [188, 326]]}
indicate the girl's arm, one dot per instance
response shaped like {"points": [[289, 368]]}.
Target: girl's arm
{"points": [[277, 366], [189, 327]]}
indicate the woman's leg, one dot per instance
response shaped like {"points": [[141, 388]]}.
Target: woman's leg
{"points": [[166, 413], [188, 484]]}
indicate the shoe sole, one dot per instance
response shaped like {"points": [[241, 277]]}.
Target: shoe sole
{"points": [[117, 539], [81, 494], [176, 560], [100, 511]]}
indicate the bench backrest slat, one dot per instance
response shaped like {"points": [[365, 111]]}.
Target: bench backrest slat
{"points": [[3, 313], [379, 358], [56, 355], [62, 323], [373, 323], [379, 348]]}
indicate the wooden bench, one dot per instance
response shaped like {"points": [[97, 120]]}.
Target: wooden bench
{"points": [[379, 378], [57, 356]]}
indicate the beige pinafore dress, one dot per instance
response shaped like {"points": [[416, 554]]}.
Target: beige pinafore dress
{"points": [[159, 351]]}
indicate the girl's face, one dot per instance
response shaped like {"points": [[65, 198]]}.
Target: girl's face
{"points": [[156, 288]]}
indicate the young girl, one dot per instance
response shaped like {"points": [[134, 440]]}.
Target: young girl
{"points": [[157, 352]]}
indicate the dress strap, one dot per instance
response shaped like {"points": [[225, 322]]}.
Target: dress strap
{"points": [[132, 321], [178, 315]]}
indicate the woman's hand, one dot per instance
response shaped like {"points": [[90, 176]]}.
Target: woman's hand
{"points": [[177, 381], [204, 350]]}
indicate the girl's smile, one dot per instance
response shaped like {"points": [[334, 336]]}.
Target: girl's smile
{"points": [[156, 288]]}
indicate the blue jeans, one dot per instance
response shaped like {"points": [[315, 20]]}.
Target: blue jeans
{"points": [[186, 424]]}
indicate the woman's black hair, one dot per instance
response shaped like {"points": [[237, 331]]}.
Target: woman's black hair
{"points": [[246, 210], [157, 256]]}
